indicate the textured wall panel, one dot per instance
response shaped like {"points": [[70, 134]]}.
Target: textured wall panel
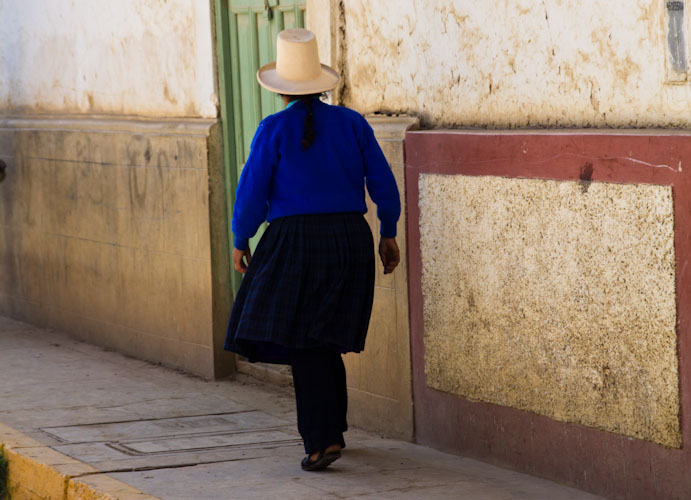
{"points": [[553, 297]]}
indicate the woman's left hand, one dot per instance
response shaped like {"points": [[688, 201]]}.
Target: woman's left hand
{"points": [[238, 262], [389, 253]]}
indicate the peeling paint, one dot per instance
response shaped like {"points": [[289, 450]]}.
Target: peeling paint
{"points": [[517, 63]]}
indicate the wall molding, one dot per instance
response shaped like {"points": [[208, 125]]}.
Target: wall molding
{"points": [[194, 127]]}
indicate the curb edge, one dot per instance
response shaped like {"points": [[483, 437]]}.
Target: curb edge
{"points": [[38, 472]]}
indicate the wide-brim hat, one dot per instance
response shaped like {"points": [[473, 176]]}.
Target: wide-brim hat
{"points": [[297, 70]]}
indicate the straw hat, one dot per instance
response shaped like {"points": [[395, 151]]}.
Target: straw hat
{"points": [[297, 70]]}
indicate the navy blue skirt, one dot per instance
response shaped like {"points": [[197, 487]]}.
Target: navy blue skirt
{"points": [[309, 285]]}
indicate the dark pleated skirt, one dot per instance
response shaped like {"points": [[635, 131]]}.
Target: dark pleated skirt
{"points": [[309, 285]]}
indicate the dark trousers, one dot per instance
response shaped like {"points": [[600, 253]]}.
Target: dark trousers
{"points": [[322, 400]]}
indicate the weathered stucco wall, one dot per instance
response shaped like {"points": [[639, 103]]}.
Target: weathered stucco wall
{"points": [[134, 57], [113, 227], [513, 63], [553, 297]]}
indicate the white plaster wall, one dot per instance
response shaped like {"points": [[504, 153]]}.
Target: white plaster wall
{"points": [[513, 63], [134, 57]]}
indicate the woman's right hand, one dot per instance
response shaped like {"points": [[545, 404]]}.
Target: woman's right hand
{"points": [[238, 262]]}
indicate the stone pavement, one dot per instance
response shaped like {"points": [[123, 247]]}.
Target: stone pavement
{"points": [[161, 433]]}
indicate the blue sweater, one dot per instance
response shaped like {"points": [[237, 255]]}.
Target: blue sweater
{"points": [[281, 178]]}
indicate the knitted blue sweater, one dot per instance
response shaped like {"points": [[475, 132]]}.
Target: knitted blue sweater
{"points": [[281, 178]]}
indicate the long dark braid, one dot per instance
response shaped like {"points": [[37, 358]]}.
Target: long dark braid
{"points": [[309, 133]]}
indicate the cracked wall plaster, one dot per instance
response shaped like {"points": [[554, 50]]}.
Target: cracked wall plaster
{"points": [[572, 316]]}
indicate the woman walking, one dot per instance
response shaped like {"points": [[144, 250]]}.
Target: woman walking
{"points": [[306, 297]]}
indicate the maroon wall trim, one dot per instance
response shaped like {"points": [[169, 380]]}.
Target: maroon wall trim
{"points": [[608, 464]]}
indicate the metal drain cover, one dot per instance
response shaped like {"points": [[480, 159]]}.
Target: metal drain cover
{"points": [[175, 441], [165, 427]]}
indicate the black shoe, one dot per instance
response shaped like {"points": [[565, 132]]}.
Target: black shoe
{"points": [[322, 461]]}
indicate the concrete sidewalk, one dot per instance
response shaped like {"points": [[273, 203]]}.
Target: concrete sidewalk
{"points": [[80, 422]]}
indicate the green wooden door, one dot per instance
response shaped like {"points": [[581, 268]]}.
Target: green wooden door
{"points": [[246, 33]]}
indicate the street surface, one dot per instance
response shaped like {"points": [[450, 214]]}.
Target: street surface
{"points": [[178, 437]]}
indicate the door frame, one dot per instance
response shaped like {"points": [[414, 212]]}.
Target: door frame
{"points": [[227, 58], [228, 106]]}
